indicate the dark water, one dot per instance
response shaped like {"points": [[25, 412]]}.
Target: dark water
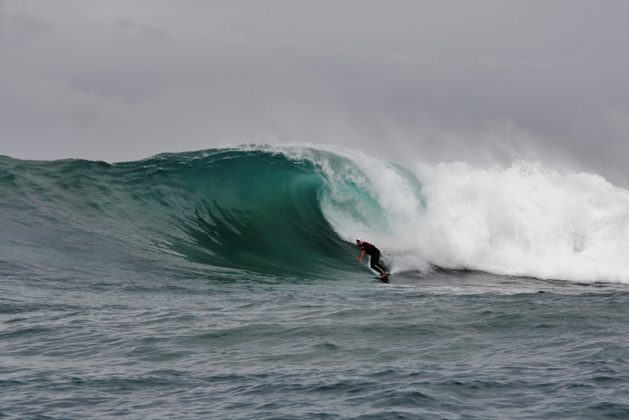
{"points": [[448, 345], [212, 286]]}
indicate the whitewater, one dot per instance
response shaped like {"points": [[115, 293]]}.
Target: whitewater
{"points": [[521, 220], [223, 283]]}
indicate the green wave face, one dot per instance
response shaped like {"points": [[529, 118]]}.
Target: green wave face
{"points": [[252, 210], [260, 212]]}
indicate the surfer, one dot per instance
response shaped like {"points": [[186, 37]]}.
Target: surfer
{"points": [[374, 253]]}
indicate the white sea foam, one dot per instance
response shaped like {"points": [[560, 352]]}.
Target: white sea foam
{"points": [[525, 220], [521, 220]]}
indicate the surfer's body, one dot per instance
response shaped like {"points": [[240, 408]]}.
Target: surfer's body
{"points": [[369, 249]]}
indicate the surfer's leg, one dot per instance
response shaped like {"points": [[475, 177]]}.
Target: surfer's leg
{"points": [[381, 267], [378, 266], [375, 264]]}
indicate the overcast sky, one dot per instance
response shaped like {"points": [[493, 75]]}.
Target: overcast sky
{"points": [[472, 80]]}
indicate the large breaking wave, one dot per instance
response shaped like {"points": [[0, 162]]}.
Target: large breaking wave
{"points": [[295, 210]]}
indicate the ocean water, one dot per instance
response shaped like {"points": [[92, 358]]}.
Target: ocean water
{"points": [[223, 284]]}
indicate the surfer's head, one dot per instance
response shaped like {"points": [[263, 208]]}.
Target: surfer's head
{"points": [[359, 241]]}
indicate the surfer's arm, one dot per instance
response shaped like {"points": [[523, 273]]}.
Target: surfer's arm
{"points": [[361, 256]]}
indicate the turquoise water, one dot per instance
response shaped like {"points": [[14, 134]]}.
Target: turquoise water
{"points": [[220, 284]]}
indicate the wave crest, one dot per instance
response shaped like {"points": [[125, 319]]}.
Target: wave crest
{"points": [[297, 209]]}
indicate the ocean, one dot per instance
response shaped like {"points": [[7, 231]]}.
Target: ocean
{"points": [[223, 283]]}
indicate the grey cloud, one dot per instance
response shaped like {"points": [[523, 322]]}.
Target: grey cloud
{"points": [[143, 30], [479, 81], [21, 28]]}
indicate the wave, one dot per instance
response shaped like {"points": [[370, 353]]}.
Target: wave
{"points": [[295, 210]]}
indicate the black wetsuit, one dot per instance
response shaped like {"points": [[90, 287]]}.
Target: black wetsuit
{"points": [[374, 253]]}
